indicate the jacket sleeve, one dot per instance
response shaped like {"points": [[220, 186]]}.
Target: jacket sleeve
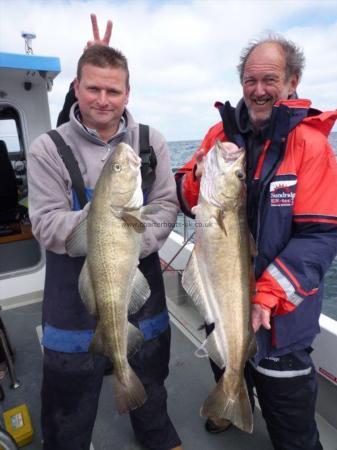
{"points": [[162, 200], [49, 196], [68, 103], [298, 270], [187, 185]]}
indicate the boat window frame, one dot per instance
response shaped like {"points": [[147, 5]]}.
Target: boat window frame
{"points": [[14, 114], [17, 114]]}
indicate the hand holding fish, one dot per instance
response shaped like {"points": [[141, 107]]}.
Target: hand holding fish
{"points": [[95, 32], [200, 158], [260, 317]]}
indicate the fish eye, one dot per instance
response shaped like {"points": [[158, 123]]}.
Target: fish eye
{"points": [[240, 174], [117, 167]]}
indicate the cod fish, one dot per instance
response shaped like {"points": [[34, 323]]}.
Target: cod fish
{"points": [[110, 284], [219, 279]]}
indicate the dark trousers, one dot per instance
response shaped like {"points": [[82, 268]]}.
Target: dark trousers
{"points": [[72, 381], [287, 402], [70, 393], [69, 398]]}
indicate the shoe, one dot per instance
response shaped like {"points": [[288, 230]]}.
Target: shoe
{"points": [[216, 426]]}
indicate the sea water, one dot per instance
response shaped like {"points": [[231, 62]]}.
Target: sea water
{"points": [[182, 151]]}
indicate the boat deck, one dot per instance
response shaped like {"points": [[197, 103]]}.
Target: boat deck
{"points": [[189, 382]]}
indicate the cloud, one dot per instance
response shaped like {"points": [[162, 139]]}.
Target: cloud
{"points": [[182, 54]]}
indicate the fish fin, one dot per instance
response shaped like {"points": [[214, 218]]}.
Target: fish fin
{"points": [[220, 221], [252, 245], [129, 395], [209, 349], [238, 410], [86, 290], [132, 221], [135, 339], [252, 347], [150, 209], [252, 283], [140, 292], [193, 285], [76, 242]]}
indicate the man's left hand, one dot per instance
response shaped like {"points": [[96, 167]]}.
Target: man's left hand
{"points": [[260, 317]]}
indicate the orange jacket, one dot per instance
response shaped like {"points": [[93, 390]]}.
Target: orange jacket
{"points": [[296, 232]]}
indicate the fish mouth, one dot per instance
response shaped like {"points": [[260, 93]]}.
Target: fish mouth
{"points": [[134, 160], [229, 152], [123, 192], [230, 157]]}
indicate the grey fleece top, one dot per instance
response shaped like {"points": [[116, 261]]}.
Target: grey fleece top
{"points": [[50, 196]]}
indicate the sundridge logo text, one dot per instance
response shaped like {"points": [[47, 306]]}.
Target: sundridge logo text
{"points": [[282, 193]]}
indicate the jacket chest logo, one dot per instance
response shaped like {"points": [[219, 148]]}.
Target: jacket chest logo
{"points": [[282, 192]]}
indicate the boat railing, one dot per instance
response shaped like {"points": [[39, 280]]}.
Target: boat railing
{"points": [[185, 227]]}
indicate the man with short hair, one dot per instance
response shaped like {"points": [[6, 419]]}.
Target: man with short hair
{"points": [[292, 215], [72, 377]]}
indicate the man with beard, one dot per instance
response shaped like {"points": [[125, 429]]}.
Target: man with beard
{"points": [[292, 213]]}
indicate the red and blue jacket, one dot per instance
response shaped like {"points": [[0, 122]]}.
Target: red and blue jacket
{"points": [[292, 213]]}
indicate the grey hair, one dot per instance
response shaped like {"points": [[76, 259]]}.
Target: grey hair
{"points": [[294, 56]]}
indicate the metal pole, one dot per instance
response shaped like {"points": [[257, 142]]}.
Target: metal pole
{"points": [[174, 257], [6, 441], [185, 229], [15, 382]]}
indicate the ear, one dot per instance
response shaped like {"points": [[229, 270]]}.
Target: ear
{"points": [[293, 83], [76, 86], [127, 96]]}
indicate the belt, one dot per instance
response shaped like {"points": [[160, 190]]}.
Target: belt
{"points": [[78, 341]]}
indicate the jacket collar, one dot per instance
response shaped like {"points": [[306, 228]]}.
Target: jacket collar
{"points": [[323, 121], [299, 109], [127, 123]]}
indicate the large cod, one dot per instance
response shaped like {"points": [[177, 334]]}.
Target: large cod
{"points": [[219, 279], [110, 284]]}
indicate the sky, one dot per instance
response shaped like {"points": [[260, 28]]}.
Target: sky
{"points": [[182, 54]]}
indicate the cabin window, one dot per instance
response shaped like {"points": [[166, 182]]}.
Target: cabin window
{"points": [[18, 248], [9, 134]]}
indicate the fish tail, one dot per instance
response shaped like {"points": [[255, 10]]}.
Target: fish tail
{"points": [[134, 343], [130, 394], [238, 410]]}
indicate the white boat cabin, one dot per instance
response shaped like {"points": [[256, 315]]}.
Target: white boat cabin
{"points": [[24, 114]]}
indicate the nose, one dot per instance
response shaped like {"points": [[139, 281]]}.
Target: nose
{"points": [[259, 89], [102, 97]]}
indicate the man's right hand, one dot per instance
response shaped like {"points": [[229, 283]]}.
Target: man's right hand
{"points": [[200, 160], [260, 317], [95, 32]]}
